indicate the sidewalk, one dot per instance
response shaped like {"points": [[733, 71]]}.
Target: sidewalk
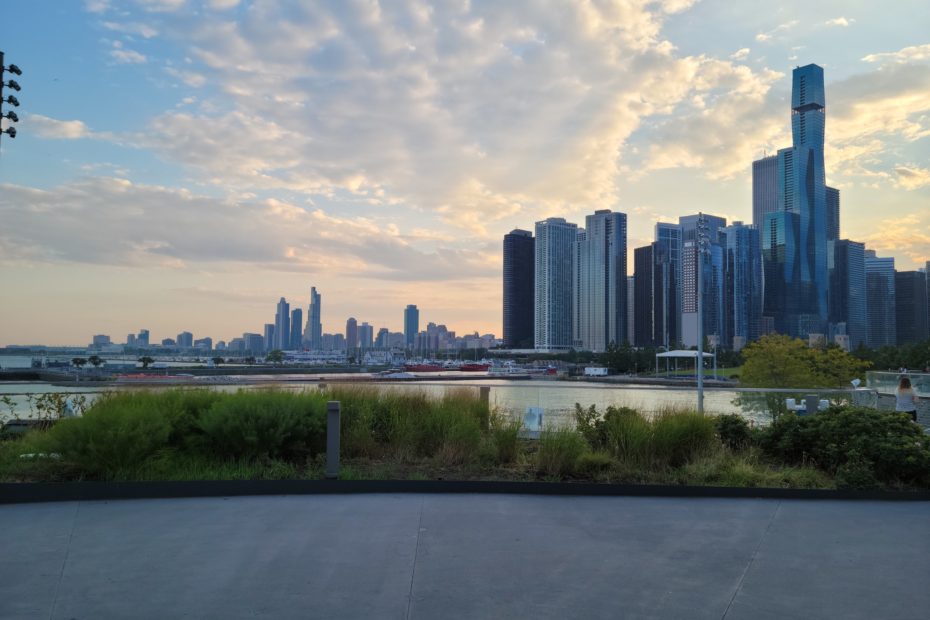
{"points": [[465, 556]]}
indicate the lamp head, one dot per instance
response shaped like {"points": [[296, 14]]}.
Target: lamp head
{"points": [[14, 70], [13, 84]]}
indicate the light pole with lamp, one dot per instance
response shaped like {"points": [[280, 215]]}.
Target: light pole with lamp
{"points": [[702, 242], [13, 101]]}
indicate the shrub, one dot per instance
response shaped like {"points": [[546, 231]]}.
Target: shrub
{"points": [[266, 424], [628, 436], [505, 434], [856, 473], [893, 447], [679, 436], [733, 431], [116, 433], [593, 463], [559, 451]]}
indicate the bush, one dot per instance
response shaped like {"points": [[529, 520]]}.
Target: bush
{"points": [[116, 433], [895, 449], [266, 424], [733, 431], [505, 434], [593, 463], [559, 451], [680, 436], [628, 436]]}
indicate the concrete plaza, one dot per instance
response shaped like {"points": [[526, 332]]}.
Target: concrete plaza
{"points": [[465, 556]]}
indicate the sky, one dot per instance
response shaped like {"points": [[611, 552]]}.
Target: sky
{"points": [[183, 164]]}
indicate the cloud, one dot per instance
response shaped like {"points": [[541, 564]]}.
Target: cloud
{"points": [[149, 226], [46, 127], [907, 54], [908, 235], [764, 37], [839, 21], [126, 56], [136, 28], [222, 5], [912, 177], [740, 54]]}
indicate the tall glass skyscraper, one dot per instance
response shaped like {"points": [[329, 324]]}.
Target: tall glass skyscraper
{"points": [[519, 278], [848, 291], [554, 276], [712, 279], [801, 190], [411, 325], [910, 289], [667, 257], [764, 183], [600, 311], [880, 301], [295, 341], [282, 326], [743, 268], [313, 334]]}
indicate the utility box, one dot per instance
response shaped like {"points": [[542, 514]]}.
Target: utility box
{"points": [[595, 371]]}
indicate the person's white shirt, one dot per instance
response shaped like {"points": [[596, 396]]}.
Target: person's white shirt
{"points": [[905, 400]]}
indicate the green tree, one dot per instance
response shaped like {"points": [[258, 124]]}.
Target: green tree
{"points": [[146, 361], [78, 361], [250, 360], [275, 357], [95, 361], [217, 360]]}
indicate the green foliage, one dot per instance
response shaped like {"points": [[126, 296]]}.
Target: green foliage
{"points": [[594, 464], [115, 433], [78, 361], [265, 424], [853, 438], [746, 469], [146, 361], [559, 452], [95, 361], [784, 362], [275, 357], [678, 437], [505, 435], [733, 431]]}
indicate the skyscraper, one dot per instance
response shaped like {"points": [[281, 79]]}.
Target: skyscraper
{"points": [[880, 301], [185, 340], [297, 320], [365, 336], [630, 308], [411, 325], [554, 275], [910, 289], [519, 278], [764, 182], [643, 278], [712, 279], [313, 334], [282, 325], [833, 214], [351, 335], [848, 291], [269, 336], [600, 311], [743, 296], [667, 256], [799, 302]]}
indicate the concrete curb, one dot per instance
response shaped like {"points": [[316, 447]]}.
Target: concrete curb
{"points": [[13, 493]]}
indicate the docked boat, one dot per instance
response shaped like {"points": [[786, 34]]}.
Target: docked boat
{"points": [[474, 367], [423, 368]]}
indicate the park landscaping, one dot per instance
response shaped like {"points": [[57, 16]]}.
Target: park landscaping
{"points": [[271, 434]]}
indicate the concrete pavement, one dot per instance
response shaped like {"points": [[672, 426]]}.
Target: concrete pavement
{"points": [[465, 556]]}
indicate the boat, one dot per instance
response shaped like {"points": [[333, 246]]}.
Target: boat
{"points": [[474, 367], [423, 368]]}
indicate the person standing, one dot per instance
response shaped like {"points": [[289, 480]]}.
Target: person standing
{"points": [[905, 398]]}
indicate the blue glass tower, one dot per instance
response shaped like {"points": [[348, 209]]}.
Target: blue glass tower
{"points": [[799, 302], [743, 269]]}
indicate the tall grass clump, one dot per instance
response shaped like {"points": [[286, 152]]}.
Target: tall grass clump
{"points": [[505, 437], [265, 424], [117, 432], [560, 450], [680, 436]]}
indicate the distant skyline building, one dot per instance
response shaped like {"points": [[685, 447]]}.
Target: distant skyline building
{"points": [[630, 308], [764, 184], [712, 279], [833, 214], [667, 256], [519, 287], [351, 334], [366, 336], [253, 343], [269, 336], [411, 325], [848, 291], [644, 328], [600, 306], [100, 340], [313, 334], [297, 321], [185, 340], [554, 276], [142, 338], [880, 301], [910, 289], [282, 325]]}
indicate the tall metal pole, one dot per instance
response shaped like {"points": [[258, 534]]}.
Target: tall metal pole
{"points": [[699, 365]]}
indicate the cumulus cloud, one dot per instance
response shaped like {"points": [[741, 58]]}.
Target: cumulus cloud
{"points": [[839, 21], [46, 127], [152, 225], [740, 54], [907, 54], [764, 37], [908, 235], [126, 56], [912, 177], [135, 28]]}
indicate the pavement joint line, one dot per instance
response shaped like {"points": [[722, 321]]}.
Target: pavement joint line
{"points": [[752, 558], [64, 562], [416, 554]]}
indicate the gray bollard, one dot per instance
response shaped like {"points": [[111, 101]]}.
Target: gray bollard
{"points": [[333, 409]]}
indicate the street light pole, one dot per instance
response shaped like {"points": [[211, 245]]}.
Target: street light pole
{"points": [[699, 365], [12, 100]]}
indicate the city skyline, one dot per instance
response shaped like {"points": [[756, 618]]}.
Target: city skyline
{"points": [[182, 165]]}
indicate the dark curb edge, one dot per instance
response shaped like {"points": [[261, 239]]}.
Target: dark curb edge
{"points": [[13, 493]]}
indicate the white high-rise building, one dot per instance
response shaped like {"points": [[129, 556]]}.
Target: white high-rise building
{"points": [[600, 308], [554, 273]]}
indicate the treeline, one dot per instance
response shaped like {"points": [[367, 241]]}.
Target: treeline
{"points": [[911, 356]]}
